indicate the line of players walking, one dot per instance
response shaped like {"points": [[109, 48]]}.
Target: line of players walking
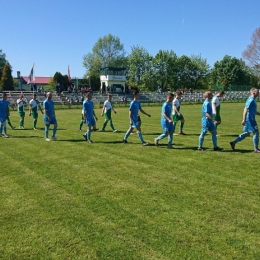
{"points": [[170, 115]]}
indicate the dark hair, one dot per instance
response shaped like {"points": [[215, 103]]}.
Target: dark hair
{"points": [[135, 92], [170, 94]]}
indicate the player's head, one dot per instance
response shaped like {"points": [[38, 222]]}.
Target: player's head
{"points": [[4, 96], [34, 96], [178, 94], [109, 96], [88, 95], [254, 92], [136, 95], [221, 93], [49, 95], [21, 96], [208, 95], [170, 97]]}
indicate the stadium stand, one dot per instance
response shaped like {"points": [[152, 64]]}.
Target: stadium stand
{"points": [[68, 99]]}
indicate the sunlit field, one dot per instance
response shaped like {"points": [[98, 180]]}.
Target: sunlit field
{"points": [[73, 200]]}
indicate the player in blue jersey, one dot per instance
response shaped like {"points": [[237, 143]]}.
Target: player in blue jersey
{"points": [[134, 108], [49, 117], [89, 116], [208, 123], [166, 121], [4, 112], [249, 122]]}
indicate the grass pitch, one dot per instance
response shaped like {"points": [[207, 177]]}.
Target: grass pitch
{"points": [[107, 200]]}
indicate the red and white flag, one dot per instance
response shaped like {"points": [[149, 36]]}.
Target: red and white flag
{"points": [[31, 76], [69, 79]]}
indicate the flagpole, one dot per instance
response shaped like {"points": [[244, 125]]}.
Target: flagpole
{"points": [[33, 77]]}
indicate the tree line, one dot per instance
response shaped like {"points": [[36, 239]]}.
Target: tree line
{"points": [[168, 70], [165, 69]]}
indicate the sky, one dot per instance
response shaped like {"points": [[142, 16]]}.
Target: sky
{"points": [[55, 34]]}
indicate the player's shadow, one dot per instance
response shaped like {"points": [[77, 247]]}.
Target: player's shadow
{"points": [[109, 142], [232, 135], [72, 140], [144, 133], [23, 136], [240, 151]]}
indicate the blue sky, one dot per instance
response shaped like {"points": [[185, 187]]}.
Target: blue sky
{"points": [[54, 34]]}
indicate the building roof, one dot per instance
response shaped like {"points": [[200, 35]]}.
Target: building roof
{"points": [[38, 80]]}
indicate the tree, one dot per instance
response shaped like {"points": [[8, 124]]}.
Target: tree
{"points": [[230, 71], [252, 52], [165, 69], [139, 68], [6, 82], [107, 52], [200, 72], [2, 62], [185, 72]]}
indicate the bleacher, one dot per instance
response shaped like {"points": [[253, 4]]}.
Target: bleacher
{"points": [[68, 99], [12, 97]]}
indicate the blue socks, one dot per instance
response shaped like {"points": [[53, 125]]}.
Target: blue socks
{"points": [[240, 138], [140, 136], [54, 131], [127, 134], [46, 132], [160, 137], [214, 139], [201, 139], [170, 137], [256, 140]]}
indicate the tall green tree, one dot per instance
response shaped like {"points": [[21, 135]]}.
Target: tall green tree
{"points": [[165, 69], [139, 68], [2, 62], [6, 82], [230, 71], [108, 51], [185, 72], [200, 72]]}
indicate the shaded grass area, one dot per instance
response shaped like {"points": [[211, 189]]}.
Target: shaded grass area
{"points": [[107, 200]]}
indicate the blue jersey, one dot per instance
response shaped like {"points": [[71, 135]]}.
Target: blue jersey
{"points": [[48, 105], [251, 105], [206, 108], [135, 106], [3, 109], [88, 106], [167, 110]]}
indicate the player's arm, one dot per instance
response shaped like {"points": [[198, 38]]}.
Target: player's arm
{"points": [[209, 116], [244, 116], [102, 113], [130, 116], [175, 108], [84, 115], [114, 110], [46, 111], [145, 112], [214, 108], [258, 113], [94, 114], [30, 109], [167, 118], [40, 108], [8, 111]]}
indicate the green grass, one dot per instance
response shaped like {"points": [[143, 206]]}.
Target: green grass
{"points": [[107, 200]]}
